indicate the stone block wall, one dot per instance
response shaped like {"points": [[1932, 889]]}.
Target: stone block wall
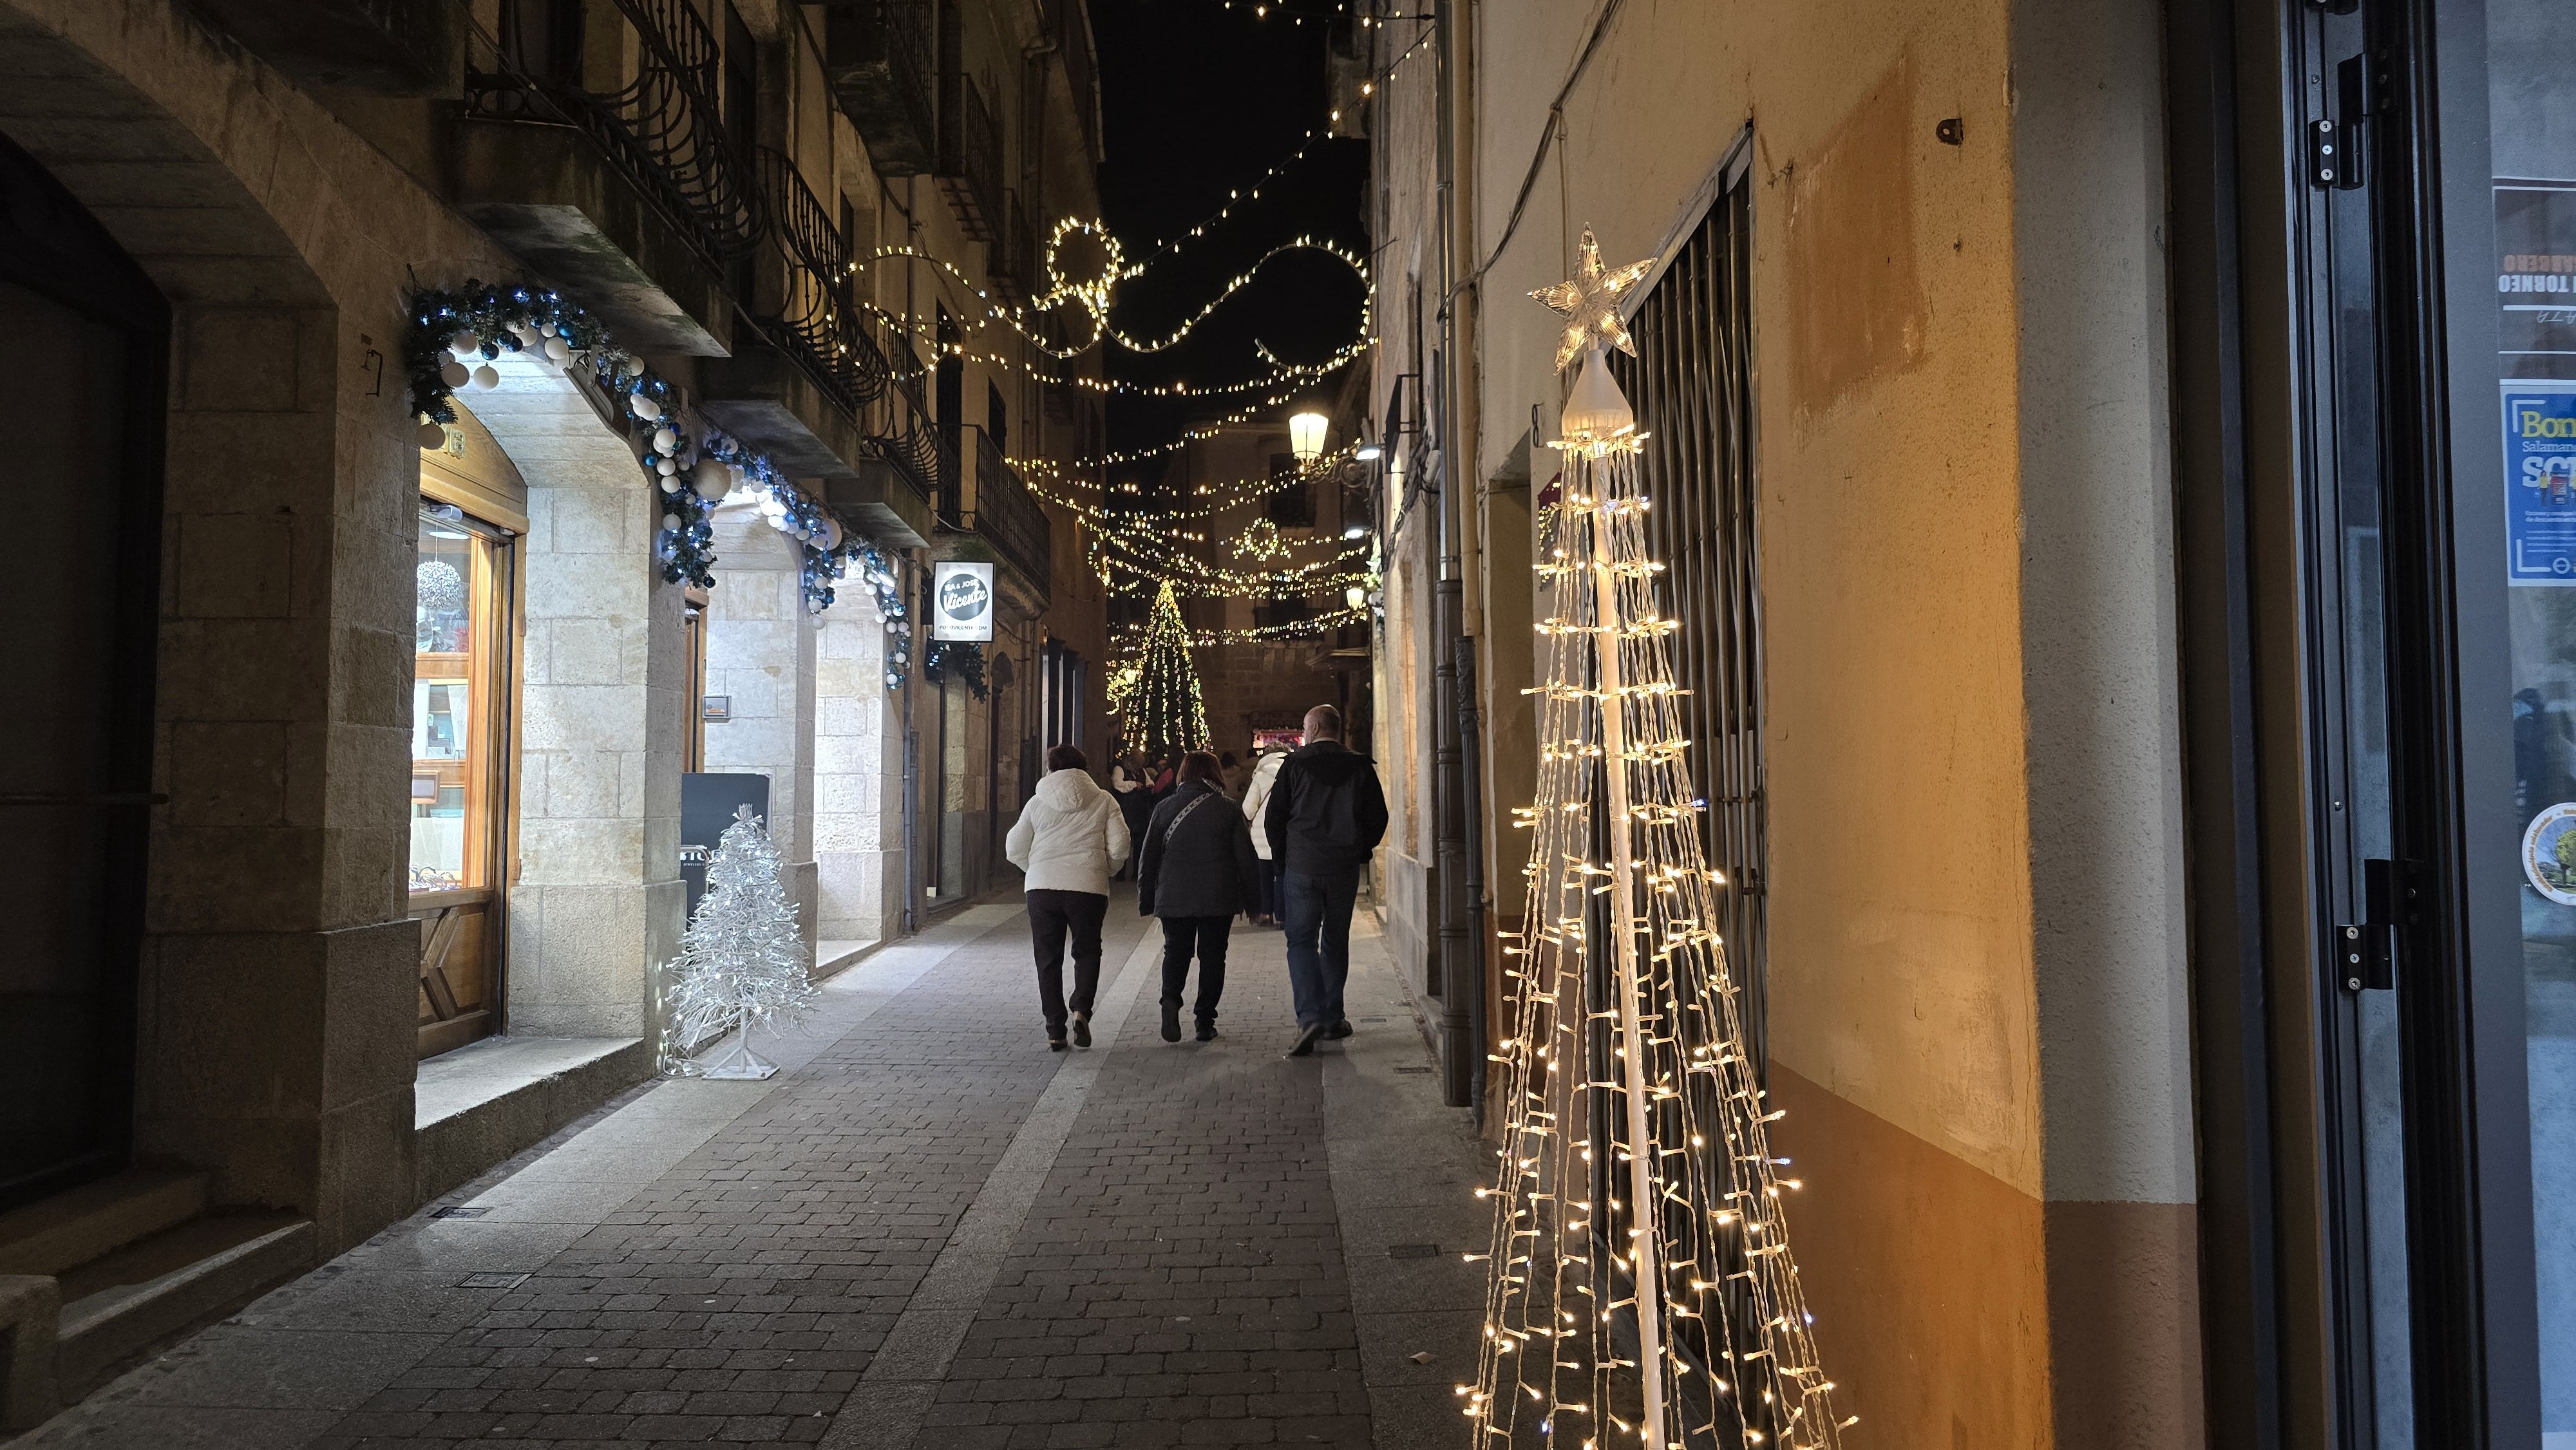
{"points": [[761, 656]]}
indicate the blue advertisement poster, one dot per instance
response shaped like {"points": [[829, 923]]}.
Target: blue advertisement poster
{"points": [[2540, 483]]}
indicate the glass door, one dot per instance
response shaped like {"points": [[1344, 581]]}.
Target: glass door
{"points": [[2435, 252], [462, 692]]}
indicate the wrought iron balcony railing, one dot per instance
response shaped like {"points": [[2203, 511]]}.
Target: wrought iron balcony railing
{"points": [[659, 130], [995, 504], [1011, 261], [970, 155], [816, 321], [881, 58]]}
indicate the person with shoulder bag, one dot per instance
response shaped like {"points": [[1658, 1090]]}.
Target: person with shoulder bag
{"points": [[1069, 838], [1195, 871]]}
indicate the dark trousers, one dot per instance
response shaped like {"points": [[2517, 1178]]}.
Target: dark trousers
{"points": [[1265, 888], [1051, 914], [1317, 910], [1205, 936]]}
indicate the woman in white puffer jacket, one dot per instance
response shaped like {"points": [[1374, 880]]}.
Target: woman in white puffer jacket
{"points": [[1069, 838]]}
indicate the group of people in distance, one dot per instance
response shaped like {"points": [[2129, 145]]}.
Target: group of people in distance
{"points": [[1279, 839]]}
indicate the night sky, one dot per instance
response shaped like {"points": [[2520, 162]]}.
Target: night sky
{"points": [[1197, 100]]}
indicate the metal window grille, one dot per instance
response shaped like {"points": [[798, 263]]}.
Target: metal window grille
{"points": [[1693, 390]]}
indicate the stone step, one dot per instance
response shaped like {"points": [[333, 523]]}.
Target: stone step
{"points": [[55, 1235], [117, 1306]]}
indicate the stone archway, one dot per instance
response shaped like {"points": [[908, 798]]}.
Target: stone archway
{"points": [[276, 975]]}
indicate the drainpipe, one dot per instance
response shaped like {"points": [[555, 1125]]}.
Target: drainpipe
{"points": [[1472, 795], [1457, 1049]]}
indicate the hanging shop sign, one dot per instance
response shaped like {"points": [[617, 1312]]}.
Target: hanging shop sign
{"points": [[961, 601]]}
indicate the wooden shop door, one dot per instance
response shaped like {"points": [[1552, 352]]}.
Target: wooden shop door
{"points": [[464, 701]]}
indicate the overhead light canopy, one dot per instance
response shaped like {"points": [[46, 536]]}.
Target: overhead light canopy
{"points": [[1306, 436]]}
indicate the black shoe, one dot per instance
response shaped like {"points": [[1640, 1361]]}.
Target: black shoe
{"points": [[1339, 1029], [1306, 1039], [1207, 1032], [1082, 1030], [1171, 1022], [1054, 1043]]}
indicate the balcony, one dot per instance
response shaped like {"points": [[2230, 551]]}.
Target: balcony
{"points": [[389, 47], [1011, 262], [629, 198], [879, 57], [981, 494], [970, 156]]}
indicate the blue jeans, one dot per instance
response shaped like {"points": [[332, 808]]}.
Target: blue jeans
{"points": [[1317, 910]]}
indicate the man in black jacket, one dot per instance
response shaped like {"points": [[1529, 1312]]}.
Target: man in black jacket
{"points": [[1326, 815]]}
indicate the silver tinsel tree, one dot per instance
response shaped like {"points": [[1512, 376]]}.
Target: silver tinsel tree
{"points": [[741, 963]]}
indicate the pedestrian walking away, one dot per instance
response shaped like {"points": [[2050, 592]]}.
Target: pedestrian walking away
{"points": [[1068, 840], [1325, 815], [1256, 798], [1195, 870]]}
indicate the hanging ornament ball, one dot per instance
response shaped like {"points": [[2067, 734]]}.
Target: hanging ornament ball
{"points": [[832, 533], [665, 441], [455, 374], [557, 349], [710, 481], [646, 407], [465, 344], [439, 586], [670, 523], [432, 434], [666, 468], [548, 328], [487, 376], [670, 485]]}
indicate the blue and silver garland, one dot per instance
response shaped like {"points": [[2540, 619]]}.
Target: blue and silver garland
{"points": [[457, 336]]}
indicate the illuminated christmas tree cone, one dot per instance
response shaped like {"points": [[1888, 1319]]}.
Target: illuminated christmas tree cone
{"points": [[1625, 1080], [1164, 710]]}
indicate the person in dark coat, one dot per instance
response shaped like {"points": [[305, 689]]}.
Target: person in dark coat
{"points": [[1325, 815], [1196, 871]]}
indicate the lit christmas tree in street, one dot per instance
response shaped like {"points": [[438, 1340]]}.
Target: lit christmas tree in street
{"points": [[742, 961], [1642, 1291], [1163, 712]]}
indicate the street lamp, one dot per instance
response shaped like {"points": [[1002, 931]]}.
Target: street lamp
{"points": [[1306, 437]]}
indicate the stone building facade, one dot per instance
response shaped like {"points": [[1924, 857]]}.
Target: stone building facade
{"points": [[241, 211]]}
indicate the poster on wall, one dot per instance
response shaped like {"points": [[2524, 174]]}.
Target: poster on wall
{"points": [[2540, 483], [961, 601]]}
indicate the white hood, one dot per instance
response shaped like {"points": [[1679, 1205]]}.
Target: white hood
{"points": [[1071, 835], [1068, 790]]}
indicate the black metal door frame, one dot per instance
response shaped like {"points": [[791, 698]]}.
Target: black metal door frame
{"points": [[2249, 82]]}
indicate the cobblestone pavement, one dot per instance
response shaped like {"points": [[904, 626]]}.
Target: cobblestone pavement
{"points": [[926, 1233]]}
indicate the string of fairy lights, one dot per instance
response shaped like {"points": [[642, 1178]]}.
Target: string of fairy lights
{"points": [[1641, 1284]]}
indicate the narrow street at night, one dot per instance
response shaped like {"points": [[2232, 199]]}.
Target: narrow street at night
{"points": [[921, 1236]]}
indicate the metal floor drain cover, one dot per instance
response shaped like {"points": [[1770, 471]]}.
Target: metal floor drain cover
{"points": [[493, 1281], [1413, 1251], [1368, 1019], [1413, 1069], [458, 1211]]}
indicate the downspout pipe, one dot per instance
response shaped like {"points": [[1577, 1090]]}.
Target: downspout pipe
{"points": [[1472, 795], [1457, 1048]]}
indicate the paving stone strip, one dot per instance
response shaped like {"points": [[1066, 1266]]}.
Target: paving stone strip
{"points": [[927, 1233], [885, 1411]]}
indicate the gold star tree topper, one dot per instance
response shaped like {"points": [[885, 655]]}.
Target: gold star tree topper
{"points": [[1590, 302]]}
